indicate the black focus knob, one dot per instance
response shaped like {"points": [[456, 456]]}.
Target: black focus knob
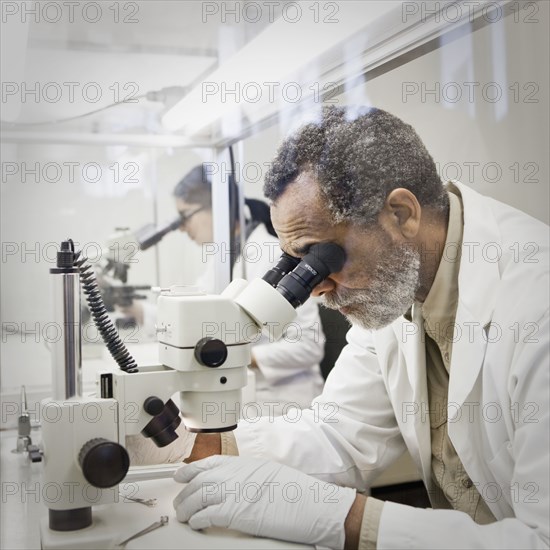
{"points": [[104, 463], [153, 405], [210, 352]]}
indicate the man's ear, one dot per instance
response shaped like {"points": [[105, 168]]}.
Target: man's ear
{"points": [[401, 213]]}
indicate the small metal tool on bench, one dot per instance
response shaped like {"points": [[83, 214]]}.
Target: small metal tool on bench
{"points": [[163, 521]]}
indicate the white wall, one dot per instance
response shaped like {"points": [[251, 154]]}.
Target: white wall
{"points": [[479, 138]]}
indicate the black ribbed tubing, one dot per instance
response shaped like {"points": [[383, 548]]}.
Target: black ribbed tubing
{"points": [[100, 316]]}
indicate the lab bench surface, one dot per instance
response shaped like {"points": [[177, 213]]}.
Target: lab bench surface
{"points": [[24, 515]]}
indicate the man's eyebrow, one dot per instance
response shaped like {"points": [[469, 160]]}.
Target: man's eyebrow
{"points": [[300, 250]]}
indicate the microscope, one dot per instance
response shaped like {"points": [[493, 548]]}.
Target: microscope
{"points": [[117, 257], [204, 350], [123, 244]]}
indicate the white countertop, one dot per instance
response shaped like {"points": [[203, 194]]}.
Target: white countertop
{"points": [[21, 507], [115, 522], [23, 515]]}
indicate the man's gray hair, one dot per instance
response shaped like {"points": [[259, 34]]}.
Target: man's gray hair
{"points": [[357, 163]]}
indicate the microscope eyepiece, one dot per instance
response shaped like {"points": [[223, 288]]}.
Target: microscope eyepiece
{"points": [[285, 264], [150, 235], [321, 260]]}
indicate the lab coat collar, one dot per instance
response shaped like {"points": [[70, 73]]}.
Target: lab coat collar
{"points": [[475, 307], [480, 242]]}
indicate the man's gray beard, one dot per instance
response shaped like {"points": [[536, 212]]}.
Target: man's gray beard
{"points": [[389, 295]]}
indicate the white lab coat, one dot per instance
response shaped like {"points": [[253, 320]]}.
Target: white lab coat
{"points": [[371, 407]]}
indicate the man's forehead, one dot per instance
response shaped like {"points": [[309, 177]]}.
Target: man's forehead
{"points": [[292, 214], [300, 217], [301, 193]]}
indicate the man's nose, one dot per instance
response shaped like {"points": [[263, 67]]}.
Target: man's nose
{"points": [[327, 285]]}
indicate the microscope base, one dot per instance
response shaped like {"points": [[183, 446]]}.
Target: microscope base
{"points": [[98, 535], [70, 520]]}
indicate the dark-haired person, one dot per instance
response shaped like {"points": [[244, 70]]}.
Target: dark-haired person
{"points": [[448, 357]]}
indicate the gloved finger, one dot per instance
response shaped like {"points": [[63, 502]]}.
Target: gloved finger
{"points": [[211, 516], [186, 473], [195, 497], [186, 492]]}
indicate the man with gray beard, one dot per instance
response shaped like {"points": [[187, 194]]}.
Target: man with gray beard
{"points": [[447, 357]]}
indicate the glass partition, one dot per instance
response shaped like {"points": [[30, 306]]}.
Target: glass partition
{"points": [[110, 200], [107, 106]]}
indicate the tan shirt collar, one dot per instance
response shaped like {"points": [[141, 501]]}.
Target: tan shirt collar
{"points": [[439, 308]]}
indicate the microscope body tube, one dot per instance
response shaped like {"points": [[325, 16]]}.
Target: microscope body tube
{"points": [[67, 350]]}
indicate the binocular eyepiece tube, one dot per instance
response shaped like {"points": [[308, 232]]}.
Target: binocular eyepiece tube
{"points": [[295, 279]]}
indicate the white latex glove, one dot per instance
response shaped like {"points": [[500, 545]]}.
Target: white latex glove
{"points": [[264, 499], [143, 452]]}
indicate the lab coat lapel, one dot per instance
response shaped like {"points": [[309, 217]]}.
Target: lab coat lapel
{"points": [[478, 278], [468, 354], [478, 284], [412, 339]]}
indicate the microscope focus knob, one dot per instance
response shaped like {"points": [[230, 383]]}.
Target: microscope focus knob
{"points": [[153, 405], [210, 352], [104, 463]]}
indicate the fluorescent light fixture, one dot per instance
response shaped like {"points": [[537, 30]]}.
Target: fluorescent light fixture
{"points": [[291, 43]]}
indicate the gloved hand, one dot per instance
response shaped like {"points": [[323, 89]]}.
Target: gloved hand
{"points": [[264, 499]]}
